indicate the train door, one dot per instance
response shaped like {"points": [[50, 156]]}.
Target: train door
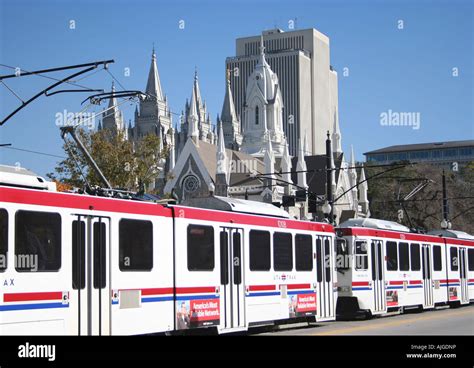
{"points": [[427, 276], [232, 291], [378, 279], [463, 276], [90, 268], [324, 277]]}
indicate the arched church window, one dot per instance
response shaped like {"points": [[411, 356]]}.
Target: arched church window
{"points": [[256, 115]]}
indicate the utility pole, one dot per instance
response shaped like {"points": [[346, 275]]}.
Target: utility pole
{"points": [[329, 194], [445, 201]]}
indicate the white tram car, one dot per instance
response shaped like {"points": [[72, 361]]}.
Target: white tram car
{"points": [[391, 268], [88, 265]]}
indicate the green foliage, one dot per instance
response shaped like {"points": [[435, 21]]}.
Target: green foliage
{"points": [[425, 208], [126, 165]]}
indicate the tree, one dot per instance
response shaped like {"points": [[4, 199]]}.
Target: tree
{"points": [[425, 208], [125, 165]]}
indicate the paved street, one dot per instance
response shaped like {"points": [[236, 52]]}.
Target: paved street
{"points": [[447, 321]]}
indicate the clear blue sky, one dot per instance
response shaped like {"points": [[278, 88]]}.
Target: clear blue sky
{"points": [[407, 70]]}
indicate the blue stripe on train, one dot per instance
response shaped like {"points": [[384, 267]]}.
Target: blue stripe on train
{"points": [[12, 307]]}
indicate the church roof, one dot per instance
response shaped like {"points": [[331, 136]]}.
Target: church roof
{"points": [[244, 162]]}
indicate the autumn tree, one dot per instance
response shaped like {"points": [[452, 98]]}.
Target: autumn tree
{"points": [[126, 165]]}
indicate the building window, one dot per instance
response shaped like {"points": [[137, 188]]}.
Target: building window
{"points": [[282, 252], [135, 245], [259, 243], [437, 265], [361, 258], [392, 257], [3, 239], [303, 252], [37, 241], [454, 258], [403, 256], [415, 257], [256, 115], [200, 248]]}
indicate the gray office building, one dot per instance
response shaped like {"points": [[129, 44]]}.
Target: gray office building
{"points": [[308, 83]]}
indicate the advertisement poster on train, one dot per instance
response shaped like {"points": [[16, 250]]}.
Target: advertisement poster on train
{"points": [[197, 313], [392, 298], [453, 293], [302, 305]]}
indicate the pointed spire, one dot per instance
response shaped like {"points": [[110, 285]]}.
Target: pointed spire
{"points": [[301, 166], [286, 169], [153, 86], [228, 114], [160, 136], [193, 130], [221, 154], [269, 162], [336, 136], [352, 171], [363, 189]]}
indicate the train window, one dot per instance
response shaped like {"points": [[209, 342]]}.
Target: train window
{"points": [[437, 266], [403, 256], [361, 258], [135, 245], [415, 257], [342, 253], [327, 252], [470, 257], [259, 243], [282, 252], [78, 255], [224, 240], [237, 262], [454, 258], [200, 248], [37, 241], [303, 252], [3, 239], [99, 255], [319, 260], [392, 258]]}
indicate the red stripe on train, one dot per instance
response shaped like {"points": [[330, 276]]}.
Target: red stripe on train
{"points": [[360, 283], [261, 287], [298, 286], [25, 297], [198, 289], [415, 282]]}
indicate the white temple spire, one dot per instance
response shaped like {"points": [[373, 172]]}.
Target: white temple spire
{"points": [[153, 85], [301, 166]]}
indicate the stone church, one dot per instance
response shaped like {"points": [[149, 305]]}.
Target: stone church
{"points": [[240, 157]]}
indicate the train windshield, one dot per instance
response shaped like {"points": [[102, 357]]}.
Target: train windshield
{"points": [[342, 253]]}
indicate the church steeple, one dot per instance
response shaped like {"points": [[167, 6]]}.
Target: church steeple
{"points": [[153, 86], [221, 169], [230, 121], [301, 166], [193, 129]]}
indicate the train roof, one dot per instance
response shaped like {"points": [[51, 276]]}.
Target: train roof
{"points": [[372, 223], [236, 205], [20, 177], [452, 234]]}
